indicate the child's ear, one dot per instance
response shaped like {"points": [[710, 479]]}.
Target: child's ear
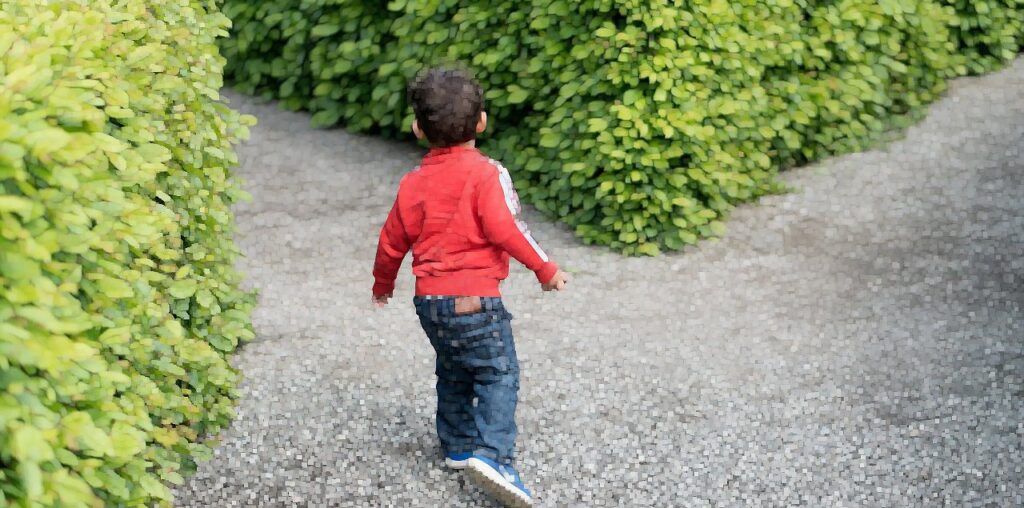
{"points": [[416, 130], [481, 125]]}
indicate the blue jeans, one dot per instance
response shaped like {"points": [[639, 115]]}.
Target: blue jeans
{"points": [[477, 376]]}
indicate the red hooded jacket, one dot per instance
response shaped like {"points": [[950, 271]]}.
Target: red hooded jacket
{"points": [[459, 214]]}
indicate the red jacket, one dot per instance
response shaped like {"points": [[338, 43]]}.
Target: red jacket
{"points": [[459, 214]]}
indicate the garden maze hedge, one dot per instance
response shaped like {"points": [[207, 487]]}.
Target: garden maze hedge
{"points": [[118, 300], [640, 123]]}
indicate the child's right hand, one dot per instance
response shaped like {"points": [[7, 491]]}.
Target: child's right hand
{"points": [[381, 300], [557, 283]]}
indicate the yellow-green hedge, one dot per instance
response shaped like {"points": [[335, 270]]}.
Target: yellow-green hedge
{"points": [[118, 300], [638, 122]]}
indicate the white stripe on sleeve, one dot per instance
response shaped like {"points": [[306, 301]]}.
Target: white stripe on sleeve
{"points": [[512, 200]]}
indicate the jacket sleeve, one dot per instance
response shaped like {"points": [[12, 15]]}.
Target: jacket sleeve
{"points": [[498, 208], [391, 249]]}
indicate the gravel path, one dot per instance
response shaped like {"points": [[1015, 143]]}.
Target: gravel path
{"points": [[859, 342]]}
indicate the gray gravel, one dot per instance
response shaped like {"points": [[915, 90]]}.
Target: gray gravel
{"points": [[859, 342]]}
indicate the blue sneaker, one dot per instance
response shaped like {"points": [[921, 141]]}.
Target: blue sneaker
{"points": [[457, 460], [500, 481]]}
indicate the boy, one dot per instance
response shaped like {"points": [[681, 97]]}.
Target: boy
{"points": [[458, 212]]}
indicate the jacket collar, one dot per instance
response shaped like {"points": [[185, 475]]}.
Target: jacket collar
{"points": [[435, 153]]}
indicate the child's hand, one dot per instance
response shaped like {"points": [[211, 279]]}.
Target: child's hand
{"points": [[557, 283], [381, 300]]}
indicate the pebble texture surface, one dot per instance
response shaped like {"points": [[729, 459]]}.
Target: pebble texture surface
{"points": [[858, 342]]}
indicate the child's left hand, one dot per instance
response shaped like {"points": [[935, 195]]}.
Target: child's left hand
{"points": [[381, 300]]}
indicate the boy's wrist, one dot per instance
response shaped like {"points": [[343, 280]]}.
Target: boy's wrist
{"points": [[546, 272], [383, 289]]}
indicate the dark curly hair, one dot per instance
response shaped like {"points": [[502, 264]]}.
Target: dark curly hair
{"points": [[447, 103]]}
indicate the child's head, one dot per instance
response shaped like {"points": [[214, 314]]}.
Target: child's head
{"points": [[449, 106]]}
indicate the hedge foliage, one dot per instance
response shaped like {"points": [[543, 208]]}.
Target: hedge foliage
{"points": [[987, 32], [118, 301], [638, 122]]}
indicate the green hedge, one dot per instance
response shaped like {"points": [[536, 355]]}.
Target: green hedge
{"points": [[640, 123], [988, 32], [118, 301]]}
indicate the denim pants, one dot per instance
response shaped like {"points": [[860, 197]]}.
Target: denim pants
{"points": [[477, 376]]}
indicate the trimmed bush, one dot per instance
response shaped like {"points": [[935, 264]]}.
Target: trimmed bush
{"points": [[638, 123], [988, 32], [118, 300]]}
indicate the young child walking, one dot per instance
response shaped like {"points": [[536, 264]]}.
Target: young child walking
{"points": [[459, 214]]}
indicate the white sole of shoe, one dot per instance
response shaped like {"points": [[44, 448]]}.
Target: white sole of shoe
{"points": [[494, 484], [455, 464]]}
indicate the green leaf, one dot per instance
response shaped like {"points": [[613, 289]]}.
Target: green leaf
{"points": [[31, 479], [762, 160], [649, 249], [113, 482], [182, 288], [324, 30], [325, 118], [154, 487], [15, 204], [173, 477], [29, 445], [687, 237], [597, 125], [683, 201], [153, 152], [42, 317], [717, 228], [114, 288], [112, 336], [16, 267], [205, 298], [549, 140], [221, 342], [559, 8], [517, 96], [126, 441]]}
